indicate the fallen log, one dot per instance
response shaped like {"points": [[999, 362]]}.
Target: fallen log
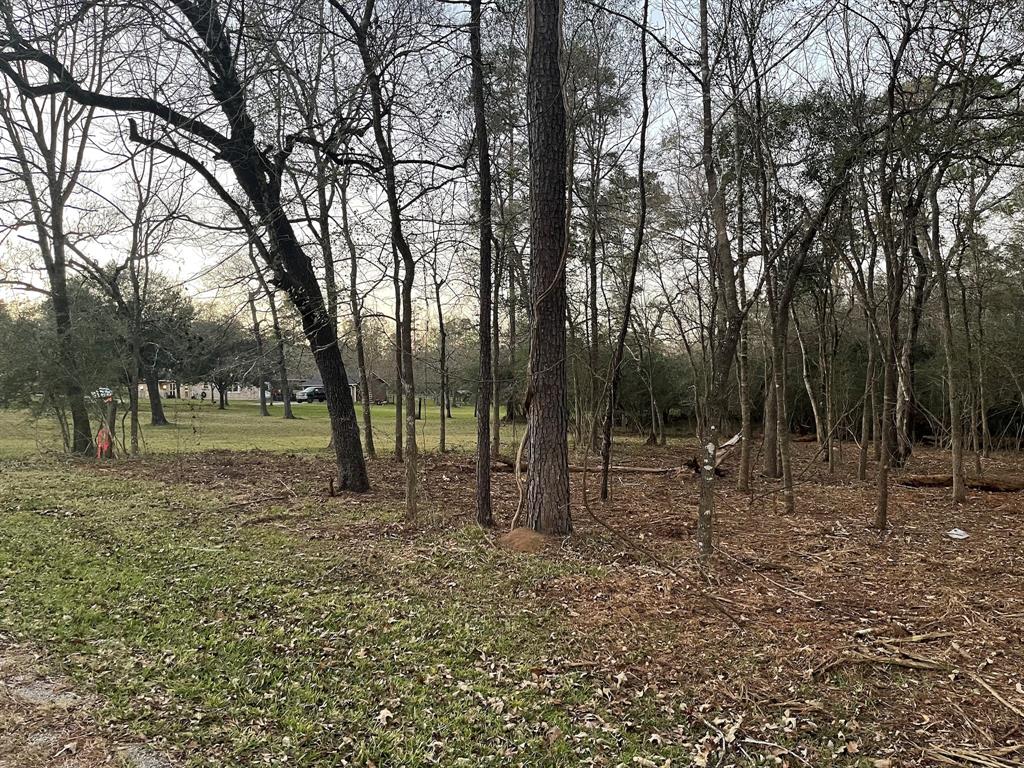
{"points": [[993, 484], [506, 464], [693, 465]]}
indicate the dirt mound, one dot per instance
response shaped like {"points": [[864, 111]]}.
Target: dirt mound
{"points": [[525, 540]]}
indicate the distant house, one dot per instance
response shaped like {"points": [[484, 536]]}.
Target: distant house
{"points": [[379, 391]]}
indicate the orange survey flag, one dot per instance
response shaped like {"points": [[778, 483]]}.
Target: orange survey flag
{"points": [[104, 447]]}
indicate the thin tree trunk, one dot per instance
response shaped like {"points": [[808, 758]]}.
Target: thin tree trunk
{"points": [[496, 383], [866, 416], [399, 379], [443, 366], [357, 320], [324, 236], [638, 243], [512, 395], [782, 415], [259, 357], [746, 421], [770, 460], [888, 425], [946, 333], [133, 396], [728, 318], [812, 396], [282, 362]]}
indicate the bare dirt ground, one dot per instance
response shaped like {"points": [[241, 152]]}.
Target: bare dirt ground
{"points": [[906, 648], [45, 722]]}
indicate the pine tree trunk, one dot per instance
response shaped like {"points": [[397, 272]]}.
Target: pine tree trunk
{"points": [[484, 513], [547, 495]]}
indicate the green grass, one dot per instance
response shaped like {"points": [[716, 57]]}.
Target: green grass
{"points": [[238, 645], [199, 426]]}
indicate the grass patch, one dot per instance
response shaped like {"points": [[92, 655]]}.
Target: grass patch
{"points": [[199, 426], [248, 645]]}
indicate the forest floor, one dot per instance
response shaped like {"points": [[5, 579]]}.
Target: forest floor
{"points": [[221, 609]]}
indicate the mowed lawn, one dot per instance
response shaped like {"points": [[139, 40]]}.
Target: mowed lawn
{"points": [[227, 637], [201, 426], [311, 633]]}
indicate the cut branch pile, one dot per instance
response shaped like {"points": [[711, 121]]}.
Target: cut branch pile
{"points": [[993, 484]]}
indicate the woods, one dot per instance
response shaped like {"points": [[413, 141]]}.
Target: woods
{"points": [[592, 263], [844, 220], [883, 190]]}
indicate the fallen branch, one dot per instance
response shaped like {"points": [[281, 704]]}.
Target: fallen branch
{"points": [[506, 463], [993, 484], [860, 657], [949, 756], [998, 697]]}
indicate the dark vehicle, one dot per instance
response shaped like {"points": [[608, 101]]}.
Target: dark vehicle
{"points": [[309, 394]]}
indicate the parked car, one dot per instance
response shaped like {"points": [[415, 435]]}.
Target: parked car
{"points": [[309, 394]]}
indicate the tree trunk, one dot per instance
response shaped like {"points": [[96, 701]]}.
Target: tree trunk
{"points": [[495, 360], [133, 397], [812, 396], [357, 320], [157, 418], [781, 412], [401, 246], [324, 236], [728, 318], [443, 368], [484, 513], [888, 430], [770, 460], [866, 416], [547, 495], [638, 244], [260, 374], [81, 432], [512, 395], [746, 423], [593, 325], [948, 347], [282, 362], [906, 397], [409, 392], [955, 411], [399, 379]]}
